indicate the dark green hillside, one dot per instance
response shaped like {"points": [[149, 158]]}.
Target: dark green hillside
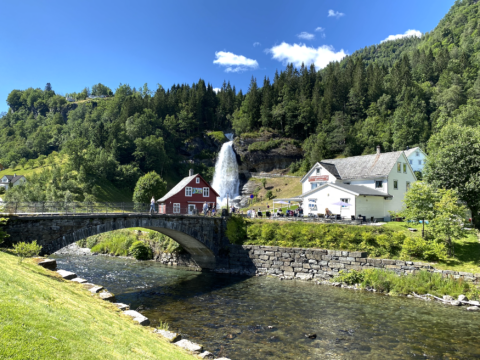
{"points": [[394, 94]]}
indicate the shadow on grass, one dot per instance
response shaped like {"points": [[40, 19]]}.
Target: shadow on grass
{"points": [[465, 252]]}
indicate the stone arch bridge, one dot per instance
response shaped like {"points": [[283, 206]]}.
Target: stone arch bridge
{"points": [[202, 237]]}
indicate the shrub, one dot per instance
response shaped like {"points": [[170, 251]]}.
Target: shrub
{"points": [[269, 195], [140, 251], [218, 136], [236, 230], [264, 145], [3, 234], [351, 278], [24, 250]]}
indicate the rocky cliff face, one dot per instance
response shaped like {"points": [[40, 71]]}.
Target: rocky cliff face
{"points": [[279, 154], [202, 149]]}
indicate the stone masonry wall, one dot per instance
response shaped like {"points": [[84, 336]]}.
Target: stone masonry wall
{"points": [[309, 264]]}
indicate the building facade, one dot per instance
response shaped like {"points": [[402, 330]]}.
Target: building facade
{"points": [[369, 185], [9, 181], [188, 196], [417, 158]]}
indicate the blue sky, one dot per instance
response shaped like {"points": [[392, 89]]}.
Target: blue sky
{"points": [[73, 44]]}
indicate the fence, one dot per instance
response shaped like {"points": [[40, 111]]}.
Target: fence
{"points": [[73, 208]]}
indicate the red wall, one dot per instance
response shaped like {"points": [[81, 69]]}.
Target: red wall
{"points": [[197, 199]]}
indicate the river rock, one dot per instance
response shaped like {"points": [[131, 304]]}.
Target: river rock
{"points": [[462, 298], [206, 355], [474, 303], [142, 320], [107, 296], [93, 288], [50, 264], [455, 303], [473, 308], [80, 280], [190, 346], [67, 275], [169, 335], [122, 307], [447, 298]]}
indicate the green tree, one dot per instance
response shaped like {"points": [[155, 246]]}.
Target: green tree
{"points": [[419, 201], [264, 182], [456, 164], [24, 250], [148, 186], [269, 195]]}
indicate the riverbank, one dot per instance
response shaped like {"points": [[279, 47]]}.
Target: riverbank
{"points": [[44, 316]]}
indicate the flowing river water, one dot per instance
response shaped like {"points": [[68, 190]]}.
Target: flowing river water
{"points": [[264, 318]]}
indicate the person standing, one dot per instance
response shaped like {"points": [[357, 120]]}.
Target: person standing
{"points": [[152, 205], [214, 210], [205, 208]]}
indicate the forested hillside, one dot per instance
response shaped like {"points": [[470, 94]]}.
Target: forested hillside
{"points": [[395, 94]]}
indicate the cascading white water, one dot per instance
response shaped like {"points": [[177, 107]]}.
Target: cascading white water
{"points": [[225, 179]]}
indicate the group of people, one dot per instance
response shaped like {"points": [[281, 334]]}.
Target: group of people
{"points": [[209, 209]]}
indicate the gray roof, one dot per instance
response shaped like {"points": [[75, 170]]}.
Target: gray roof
{"points": [[411, 151], [358, 189], [12, 178], [179, 187], [366, 166]]}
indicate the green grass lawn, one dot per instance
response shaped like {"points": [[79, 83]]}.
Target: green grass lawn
{"points": [[45, 317], [467, 250]]}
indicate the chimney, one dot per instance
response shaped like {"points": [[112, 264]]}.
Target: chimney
{"points": [[190, 172], [378, 149], [408, 147]]}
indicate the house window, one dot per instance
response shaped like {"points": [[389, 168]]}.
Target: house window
{"points": [[318, 170], [206, 192], [176, 208], [395, 184], [378, 184], [417, 153], [314, 186], [419, 162], [345, 200], [411, 162], [405, 168], [197, 180], [188, 191], [408, 186], [399, 167]]}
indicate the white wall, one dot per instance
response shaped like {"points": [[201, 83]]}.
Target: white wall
{"points": [[307, 185], [370, 183], [369, 206], [396, 203], [325, 197]]}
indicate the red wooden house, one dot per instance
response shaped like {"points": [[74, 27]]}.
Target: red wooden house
{"points": [[188, 196]]}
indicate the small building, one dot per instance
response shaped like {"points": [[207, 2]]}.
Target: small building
{"points": [[188, 196], [369, 185], [9, 181], [69, 99], [417, 158]]}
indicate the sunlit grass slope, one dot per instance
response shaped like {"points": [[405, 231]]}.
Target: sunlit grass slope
{"points": [[45, 317]]}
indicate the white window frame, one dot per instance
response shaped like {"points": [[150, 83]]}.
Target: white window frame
{"points": [[399, 167], [404, 168], [345, 200], [207, 191], [381, 184], [395, 184], [318, 171], [197, 180], [176, 208], [188, 191]]}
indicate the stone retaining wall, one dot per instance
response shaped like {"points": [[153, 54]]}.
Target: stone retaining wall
{"points": [[308, 264]]}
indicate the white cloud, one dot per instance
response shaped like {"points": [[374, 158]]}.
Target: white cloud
{"points": [[336, 14], [217, 90], [234, 63], [321, 31], [407, 33], [256, 43], [300, 53], [306, 36]]}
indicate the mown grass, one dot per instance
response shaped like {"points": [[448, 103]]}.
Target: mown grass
{"points": [[281, 187], [422, 282], [45, 317]]}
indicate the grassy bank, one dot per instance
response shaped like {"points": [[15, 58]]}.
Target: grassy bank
{"points": [[421, 283], [392, 241], [45, 317]]}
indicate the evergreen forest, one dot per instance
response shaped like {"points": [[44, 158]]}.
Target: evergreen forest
{"points": [[394, 94]]}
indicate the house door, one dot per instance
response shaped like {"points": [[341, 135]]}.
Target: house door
{"points": [[192, 209]]}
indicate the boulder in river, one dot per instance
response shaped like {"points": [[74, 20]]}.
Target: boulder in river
{"points": [[142, 320], [190, 346], [206, 355], [67, 275], [93, 288], [462, 298], [455, 303], [107, 296], [168, 335], [122, 307], [80, 280], [473, 308], [447, 298]]}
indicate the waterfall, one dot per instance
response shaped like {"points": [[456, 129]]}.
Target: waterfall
{"points": [[225, 179]]}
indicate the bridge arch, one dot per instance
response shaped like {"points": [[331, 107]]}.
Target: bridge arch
{"points": [[201, 237]]}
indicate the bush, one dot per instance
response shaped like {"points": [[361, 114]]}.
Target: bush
{"points": [[269, 195], [3, 234], [140, 251], [117, 243], [236, 229], [420, 248], [351, 278], [24, 250], [264, 145]]}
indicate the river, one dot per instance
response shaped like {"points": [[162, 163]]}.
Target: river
{"points": [[265, 318]]}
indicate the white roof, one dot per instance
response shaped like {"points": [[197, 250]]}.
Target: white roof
{"points": [[411, 151], [356, 190], [179, 187]]}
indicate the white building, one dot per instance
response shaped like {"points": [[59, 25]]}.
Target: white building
{"points": [[417, 158], [8, 181], [373, 185]]}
